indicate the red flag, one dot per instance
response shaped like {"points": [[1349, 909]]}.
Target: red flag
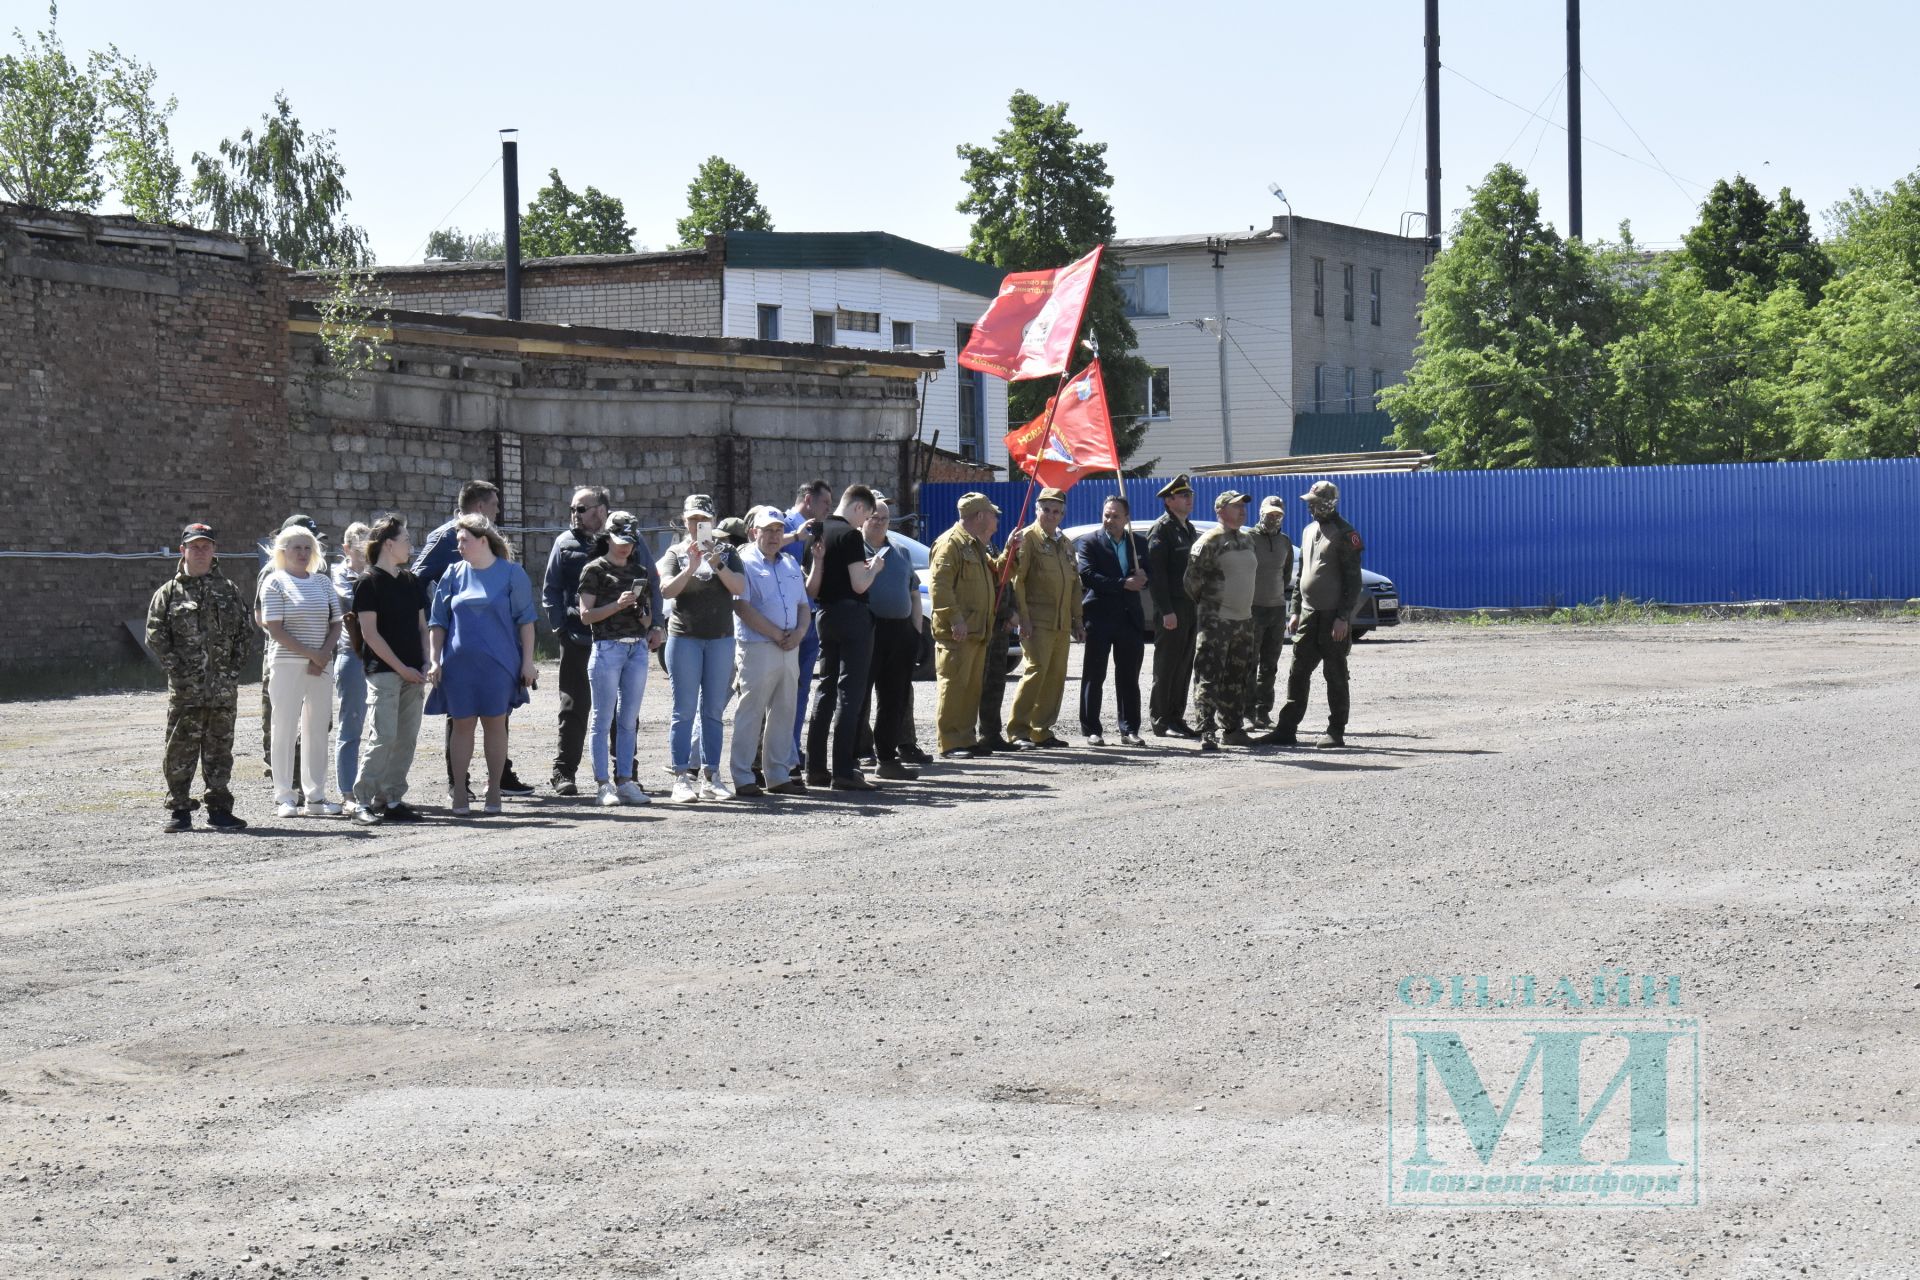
{"points": [[1082, 440], [1028, 330]]}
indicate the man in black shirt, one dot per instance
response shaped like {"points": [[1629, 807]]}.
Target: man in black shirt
{"points": [[560, 595], [837, 579], [391, 607]]}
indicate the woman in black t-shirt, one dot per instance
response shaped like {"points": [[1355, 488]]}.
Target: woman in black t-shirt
{"points": [[616, 600], [701, 575]]}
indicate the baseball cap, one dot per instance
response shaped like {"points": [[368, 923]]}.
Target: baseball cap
{"points": [[761, 517], [974, 503], [622, 527], [697, 504], [1231, 498], [196, 531], [308, 523]]}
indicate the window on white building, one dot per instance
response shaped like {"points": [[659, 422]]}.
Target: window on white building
{"points": [[769, 318], [1159, 397], [823, 328], [971, 402], [857, 321], [1144, 288], [903, 335]]}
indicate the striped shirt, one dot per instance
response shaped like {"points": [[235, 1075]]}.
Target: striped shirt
{"points": [[306, 607]]}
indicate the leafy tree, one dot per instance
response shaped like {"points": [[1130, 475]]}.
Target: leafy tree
{"points": [[450, 244], [1857, 379], [1743, 240], [721, 199], [559, 222], [1038, 196], [285, 188], [50, 121], [1879, 231], [139, 146], [1509, 371]]}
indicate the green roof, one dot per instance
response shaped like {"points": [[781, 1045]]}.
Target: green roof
{"points": [[851, 250], [1341, 433]]}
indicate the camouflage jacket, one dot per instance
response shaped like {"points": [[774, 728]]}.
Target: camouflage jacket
{"points": [[201, 632], [1220, 574]]}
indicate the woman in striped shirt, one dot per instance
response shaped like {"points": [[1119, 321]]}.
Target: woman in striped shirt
{"points": [[302, 616]]}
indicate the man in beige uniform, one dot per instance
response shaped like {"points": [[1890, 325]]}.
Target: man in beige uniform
{"points": [[1273, 584], [1220, 580], [963, 579], [1047, 591]]}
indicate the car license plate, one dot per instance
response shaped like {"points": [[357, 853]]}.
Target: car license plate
{"points": [[1389, 602]]}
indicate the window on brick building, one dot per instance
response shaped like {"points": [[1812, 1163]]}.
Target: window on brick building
{"points": [[1319, 388], [769, 318], [903, 335], [1373, 295], [1320, 286], [857, 321], [1349, 406], [1379, 382], [1346, 282], [823, 328]]}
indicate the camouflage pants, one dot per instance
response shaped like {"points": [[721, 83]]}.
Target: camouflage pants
{"points": [[1224, 660], [201, 736]]}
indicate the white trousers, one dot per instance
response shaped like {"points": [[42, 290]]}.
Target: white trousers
{"points": [[302, 705]]}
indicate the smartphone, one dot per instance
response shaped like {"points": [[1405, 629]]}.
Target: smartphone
{"points": [[704, 535]]}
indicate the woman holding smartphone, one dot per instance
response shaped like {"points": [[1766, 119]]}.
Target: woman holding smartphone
{"points": [[701, 575]]}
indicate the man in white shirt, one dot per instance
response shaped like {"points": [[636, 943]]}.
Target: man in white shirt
{"points": [[771, 619]]}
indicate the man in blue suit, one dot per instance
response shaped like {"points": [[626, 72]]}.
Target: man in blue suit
{"points": [[1113, 569]]}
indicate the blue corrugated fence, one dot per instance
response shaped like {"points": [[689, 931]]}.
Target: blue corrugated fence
{"points": [[1507, 539]]}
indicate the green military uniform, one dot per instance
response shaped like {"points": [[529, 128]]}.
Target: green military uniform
{"points": [[1169, 543], [1272, 592], [1220, 581], [1330, 553], [1047, 591], [200, 630], [962, 580]]}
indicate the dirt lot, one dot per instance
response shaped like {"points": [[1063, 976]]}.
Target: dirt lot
{"points": [[1085, 1013]]}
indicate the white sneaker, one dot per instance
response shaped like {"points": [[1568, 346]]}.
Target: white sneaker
{"points": [[630, 793], [684, 791], [322, 809], [712, 790], [608, 796], [288, 810], [350, 807]]}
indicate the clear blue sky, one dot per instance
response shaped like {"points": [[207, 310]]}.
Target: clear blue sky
{"points": [[847, 114]]}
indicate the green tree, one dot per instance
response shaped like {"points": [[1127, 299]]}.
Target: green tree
{"points": [[139, 146], [50, 122], [1744, 240], [721, 199], [450, 244], [1510, 370], [285, 188], [1879, 231], [1857, 379], [559, 222], [1038, 197]]}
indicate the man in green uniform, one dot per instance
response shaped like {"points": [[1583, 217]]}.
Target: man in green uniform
{"points": [[199, 629], [963, 579], [993, 676], [1323, 616], [1168, 544], [1272, 588], [1046, 589], [1220, 582]]}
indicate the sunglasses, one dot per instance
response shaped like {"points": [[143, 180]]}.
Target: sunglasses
{"points": [[583, 510]]}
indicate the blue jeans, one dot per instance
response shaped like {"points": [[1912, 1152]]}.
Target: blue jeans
{"points": [[350, 680], [617, 673], [702, 674]]}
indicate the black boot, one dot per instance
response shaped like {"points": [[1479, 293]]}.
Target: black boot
{"points": [[1281, 737], [224, 820], [1335, 738], [182, 820]]}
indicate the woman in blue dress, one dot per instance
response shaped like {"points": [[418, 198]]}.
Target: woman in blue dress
{"points": [[481, 651]]}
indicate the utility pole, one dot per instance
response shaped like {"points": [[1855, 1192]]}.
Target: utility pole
{"points": [[1433, 125], [510, 192], [1573, 118], [1218, 248]]}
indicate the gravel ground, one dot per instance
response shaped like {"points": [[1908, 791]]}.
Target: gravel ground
{"points": [[1074, 1014]]}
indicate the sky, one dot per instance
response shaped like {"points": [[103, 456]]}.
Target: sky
{"points": [[847, 115]]}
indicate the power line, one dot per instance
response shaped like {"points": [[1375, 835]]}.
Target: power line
{"points": [[1391, 148], [1583, 137], [1528, 124], [1636, 134], [421, 251], [1534, 154], [1256, 370]]}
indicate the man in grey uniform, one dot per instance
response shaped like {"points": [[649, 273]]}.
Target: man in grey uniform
{"points": [[1323, 616]]}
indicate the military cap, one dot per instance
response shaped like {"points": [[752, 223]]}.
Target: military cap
{"points": [[1323, 491], [1051, 494], [974, 503], [697, 504], [196, 531], [1232, 498], [308, 523], [733, 529], [1177, 485], [623, 527], [1272, 502]]}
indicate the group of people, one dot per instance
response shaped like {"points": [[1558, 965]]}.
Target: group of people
{"points": [[812, 606]]}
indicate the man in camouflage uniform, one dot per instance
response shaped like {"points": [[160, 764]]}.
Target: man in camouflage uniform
{"points": [[1220, 580], [1046, 590], [199, 629], [1273, 588], [1322, 617], [1169, 543]]}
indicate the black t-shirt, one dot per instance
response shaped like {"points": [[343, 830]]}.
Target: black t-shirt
{"points": [[394, 602], [843, 546]]}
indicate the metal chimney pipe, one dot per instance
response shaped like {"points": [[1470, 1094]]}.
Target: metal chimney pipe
{"points": [[1433, 125], [510, 184], [1574, 217]]}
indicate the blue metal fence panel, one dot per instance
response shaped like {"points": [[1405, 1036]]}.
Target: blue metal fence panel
{"points": [[1708, 534]]}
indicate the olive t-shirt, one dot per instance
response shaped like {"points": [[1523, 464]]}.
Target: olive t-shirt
{"points": [[704, 608], [606, 582]]}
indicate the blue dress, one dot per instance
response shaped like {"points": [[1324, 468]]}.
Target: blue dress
{"points": [[482, 611]]}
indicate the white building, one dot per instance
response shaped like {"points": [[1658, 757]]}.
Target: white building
{"points": [[1319, 318], [871, 289]]}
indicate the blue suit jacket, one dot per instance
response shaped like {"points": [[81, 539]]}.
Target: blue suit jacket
{"points": [[1107, 602]]}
